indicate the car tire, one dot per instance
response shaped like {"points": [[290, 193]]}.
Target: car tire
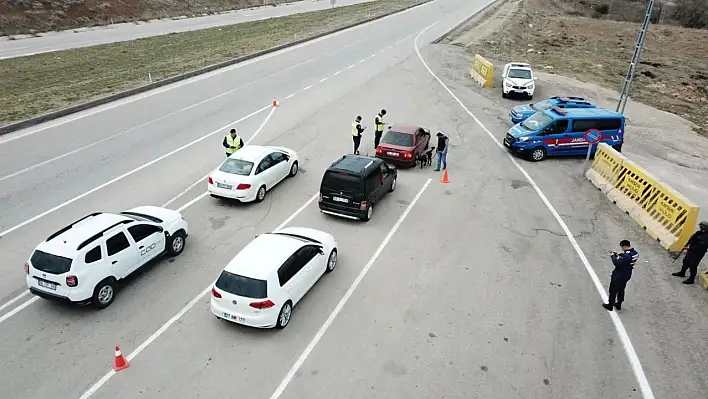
{"points": [[393, 185], [331, 261], [618, 147], [369, 213], [283, 317], [538, 154], [176, 243], [504, 95], [104, 293], [531, 97], [293, 169], [261, 194]]}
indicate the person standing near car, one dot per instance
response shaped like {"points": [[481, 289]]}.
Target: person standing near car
{"points": [[378, 128], [696, 248], [624, 263], [441, 149], [357, 130], [232, 142]]}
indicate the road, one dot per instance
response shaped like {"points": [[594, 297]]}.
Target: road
{"points": [[471, 289], [85, 37]]}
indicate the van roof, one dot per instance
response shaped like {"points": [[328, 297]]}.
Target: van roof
{"points": [[358, 164], [263, 256], [66, 241], [587, 113]]}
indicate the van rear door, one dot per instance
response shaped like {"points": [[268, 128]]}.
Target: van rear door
{"points": [[342, 190]]}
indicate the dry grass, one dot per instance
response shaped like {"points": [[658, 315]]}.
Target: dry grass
{"points": [[673, 75], [33, 85]]}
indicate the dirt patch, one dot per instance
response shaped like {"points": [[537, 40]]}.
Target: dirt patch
{"points": [[41, 83], [671, 77]]}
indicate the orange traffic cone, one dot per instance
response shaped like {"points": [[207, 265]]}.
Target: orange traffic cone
{"points": [[444, 178], [120, 362], [275, 103]]}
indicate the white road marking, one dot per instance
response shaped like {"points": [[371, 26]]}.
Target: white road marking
{"points": [[351, 66], [18, 309], [323, 79], [95, 387], [306, 88], [382, 50], [619, 326], [290, 96], [337, 73], [215, 73], [13, 300], [311, 346], [362, 61]]}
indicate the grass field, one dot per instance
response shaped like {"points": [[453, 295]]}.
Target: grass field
{"points": [[673, 72], [33, 85]]}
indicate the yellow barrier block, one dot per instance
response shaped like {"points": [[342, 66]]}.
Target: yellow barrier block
{"points": [[482, 72], [663, 212]]}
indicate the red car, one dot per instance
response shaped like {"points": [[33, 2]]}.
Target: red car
{"points": [[402, 144]]}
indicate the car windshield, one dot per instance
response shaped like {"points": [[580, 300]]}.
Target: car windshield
{"points": [[542, 105], [398, 139], [536, 121], [341, 181], [242, 286], [237, 167], [519, 74], [49, 263]]}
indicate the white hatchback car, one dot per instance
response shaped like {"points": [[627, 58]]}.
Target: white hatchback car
{"points": [[252, 171], [82, 262], [262, 284], [518, 78]]}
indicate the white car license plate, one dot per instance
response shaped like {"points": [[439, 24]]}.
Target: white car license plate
{"points": [[340, 199], [225, 186], [237, 318], [395, 154], [47, 284]]}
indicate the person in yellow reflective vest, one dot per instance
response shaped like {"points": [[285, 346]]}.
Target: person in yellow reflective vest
{"points": [[357, 130], [378, 127], [232, 142]]}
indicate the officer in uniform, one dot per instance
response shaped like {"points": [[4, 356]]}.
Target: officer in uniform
{"points": [[232, 142], [378, 127], [695, 250], [357, 130], [624, 263]]}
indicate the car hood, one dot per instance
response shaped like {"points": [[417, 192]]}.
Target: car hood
{"points": [[167, 215], [524, 110], [519, 131], [519, 82]]}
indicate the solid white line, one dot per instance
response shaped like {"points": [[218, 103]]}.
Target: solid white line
{"points": [[95, 387], [311, 346], [18, 309], [619, 326], [307, 88], [45, 213], [13, 300], [192, 202]]}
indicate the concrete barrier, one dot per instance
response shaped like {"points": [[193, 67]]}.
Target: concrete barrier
{"points": [[663, 212], [482, 72]]}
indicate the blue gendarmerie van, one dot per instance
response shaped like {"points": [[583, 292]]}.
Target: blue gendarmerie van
{"points": [[559, 131]]}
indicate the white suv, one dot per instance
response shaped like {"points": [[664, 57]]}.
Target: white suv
{"points": [[82, 262], [518, 78]]}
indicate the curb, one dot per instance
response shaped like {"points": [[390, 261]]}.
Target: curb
{"points": [[141, 89], [461, 24]]}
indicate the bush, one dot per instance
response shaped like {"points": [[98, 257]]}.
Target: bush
{"points": [[692, 13], [602, 9]]}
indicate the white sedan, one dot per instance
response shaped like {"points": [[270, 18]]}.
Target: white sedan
{"points": [[263, 282], [252, 171]]}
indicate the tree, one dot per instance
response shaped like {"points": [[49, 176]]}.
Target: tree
{"points": [[692, 13]]}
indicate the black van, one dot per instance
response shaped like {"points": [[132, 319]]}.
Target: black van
{"points": [[353, 184]]}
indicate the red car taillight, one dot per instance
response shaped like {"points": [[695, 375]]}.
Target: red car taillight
{"points": [[72, 281], [26, 268], [215, 293], [379, 150], [262, 305], [362, 206], [408, 155], [243, 186], [211, 181]]}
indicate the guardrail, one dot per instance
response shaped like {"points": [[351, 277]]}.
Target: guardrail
{"points": [[663, 212], [482, 72]]}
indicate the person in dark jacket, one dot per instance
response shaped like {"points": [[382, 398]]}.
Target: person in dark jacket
{"points": [[441, 149], [232, 142], [696, 248], [624, 263]]}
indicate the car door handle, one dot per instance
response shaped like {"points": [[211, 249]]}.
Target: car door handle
{"points": [[114, 262], [141, 247]]}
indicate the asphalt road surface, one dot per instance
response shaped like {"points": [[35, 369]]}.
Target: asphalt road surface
{"points": [[463, 290], [85, 37]]}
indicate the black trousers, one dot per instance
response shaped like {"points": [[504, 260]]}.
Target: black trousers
{"points": [[377, 139], [617, 286], [357, 142], [690, 262]]}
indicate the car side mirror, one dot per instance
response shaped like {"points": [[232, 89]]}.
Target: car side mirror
{"points": [[286, 157], [320, 251], [535, 78], [161, 229]]}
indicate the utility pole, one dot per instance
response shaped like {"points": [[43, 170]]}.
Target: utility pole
{"points": [[638, 49]]}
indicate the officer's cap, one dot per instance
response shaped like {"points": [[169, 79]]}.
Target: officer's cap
{"points": [[383, 112], [233, 131]]}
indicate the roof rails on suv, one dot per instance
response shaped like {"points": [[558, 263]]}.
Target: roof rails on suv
{"points": [[68, 227], [100, 234]]}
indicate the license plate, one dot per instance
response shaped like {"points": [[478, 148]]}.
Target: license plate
{"points": [[395, 154], [225, 186], [340, 199], [237, 318], [47, 284]]}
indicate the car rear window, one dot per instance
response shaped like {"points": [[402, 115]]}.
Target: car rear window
{"points": [[237, 167], [49, 263], [242, 286], [398, 138], [543, 105], [341, 181]]}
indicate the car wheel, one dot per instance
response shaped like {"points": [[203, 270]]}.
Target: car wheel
{"points": [[284, 316], [504, 95], [176, 243], [369, 213], [393, 185], [537, 154], [618, 147], [331, 261], [531, 97], [260, 195], [293, 169], [104, 294]]}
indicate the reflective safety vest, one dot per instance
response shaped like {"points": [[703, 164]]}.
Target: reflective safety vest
{"points": [[379, 123], [232, 142], [355, 131]]}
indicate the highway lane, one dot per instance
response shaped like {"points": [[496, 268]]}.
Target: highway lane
{"points": [[85, 37]]}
